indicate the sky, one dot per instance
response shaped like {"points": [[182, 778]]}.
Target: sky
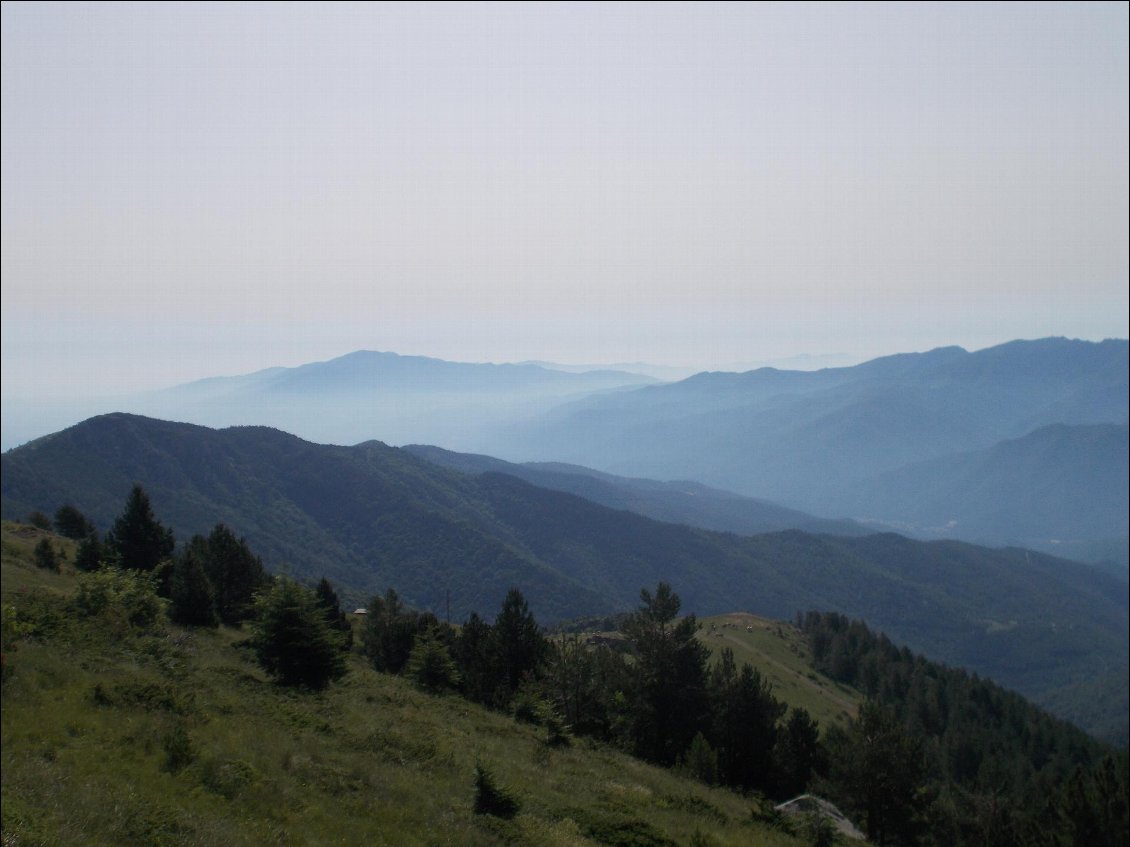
{"points": [[203, 189]]}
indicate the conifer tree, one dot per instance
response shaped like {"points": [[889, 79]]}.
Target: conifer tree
{"points": [[71, 523], [390, 630], [669, 686], [519, 646], [90, 554], [335, 617], [193, 598], [138, 540], [292, 640], [235, 572], [45, 556], [430, 664]]}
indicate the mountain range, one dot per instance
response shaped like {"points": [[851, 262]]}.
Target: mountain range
{"points": [[372, 516], [942, 443], [1020, 444]]}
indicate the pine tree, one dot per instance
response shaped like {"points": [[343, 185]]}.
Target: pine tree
{"points": [[191, 592], [45, 556], [236, 573], [744, 723], [518, 645], [90, 555], [335, 617], [430, 664], [390, 630], [669, 686], [138, 540], [292, 640], [472, 653], [71, 523]]}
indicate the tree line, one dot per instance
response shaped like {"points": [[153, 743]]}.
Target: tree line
{"points": [[941, 756], [934, 756]]}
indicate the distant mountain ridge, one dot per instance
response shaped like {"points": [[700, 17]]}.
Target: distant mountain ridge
{"points": [[827, 441], [682, 502], [371, 516], [368, 395]]}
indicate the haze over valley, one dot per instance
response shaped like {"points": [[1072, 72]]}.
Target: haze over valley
{"points": [[581, 424]]}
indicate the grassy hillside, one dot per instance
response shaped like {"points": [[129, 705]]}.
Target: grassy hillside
{"points": [[175, 736], [779, 650]]}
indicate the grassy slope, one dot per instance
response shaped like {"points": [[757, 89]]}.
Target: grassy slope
{"points": [[86, 720], [779, 652]]}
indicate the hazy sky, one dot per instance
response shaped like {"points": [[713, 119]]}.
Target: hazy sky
{"points": [[191, 190]]}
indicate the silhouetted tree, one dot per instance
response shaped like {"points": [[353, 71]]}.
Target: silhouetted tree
{"points": [[45, 556], [39, 520], [518, 645], [335, 617], [90, 554], [879, 773], [668, 699], [744, 715], [137, 539], [798, 754], [71, 523], [193, 598], [472, 653]]}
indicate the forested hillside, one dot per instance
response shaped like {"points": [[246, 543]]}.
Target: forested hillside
{"points": [[372, 516]]}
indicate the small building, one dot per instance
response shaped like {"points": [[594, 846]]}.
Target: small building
{"points": [[360, 611]]}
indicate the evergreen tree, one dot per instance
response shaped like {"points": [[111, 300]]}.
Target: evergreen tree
{"points": [[744, 715], [90, 554], [71, 523], [389, 632], [518, 645], [292, 640], [45, 556], [430, 664], [138, 540], [235, 572], [193, 598], [798, 753], [39, 520], [879, 773], [472, 653], [669, 686], [335, 617]]}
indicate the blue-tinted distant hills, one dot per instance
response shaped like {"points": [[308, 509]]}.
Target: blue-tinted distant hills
{"points": [[378, 395], [681, 502], [853, 441]]}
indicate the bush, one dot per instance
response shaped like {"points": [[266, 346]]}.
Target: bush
{"points": [[125, 599], [45, 556], [490, 799]]}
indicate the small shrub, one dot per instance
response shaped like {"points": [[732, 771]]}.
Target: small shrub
{"points": [[39, 520], [124, 599], [179, 749], [46, 557], [227, 777], [490, 799], [701, 760]]}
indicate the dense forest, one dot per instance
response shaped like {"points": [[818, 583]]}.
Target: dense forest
{"points": [[934, 756]]}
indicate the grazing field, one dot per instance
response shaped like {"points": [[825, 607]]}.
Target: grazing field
{"points": [[116, 735], [778, 650]]}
